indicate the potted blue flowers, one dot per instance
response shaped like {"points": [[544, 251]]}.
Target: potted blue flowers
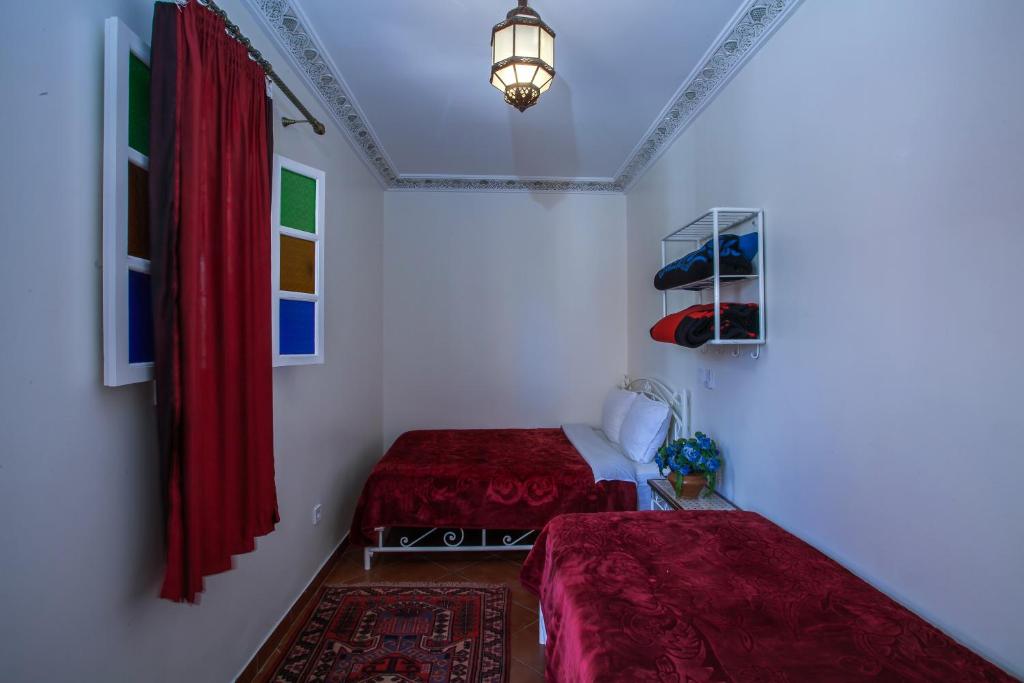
{"points": [[692, 464]]}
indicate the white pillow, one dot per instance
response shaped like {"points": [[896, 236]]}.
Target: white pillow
{"points": [[616, 405], [644, 429]]}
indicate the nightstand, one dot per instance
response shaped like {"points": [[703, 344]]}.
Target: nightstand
{"points": [[663, 497]]}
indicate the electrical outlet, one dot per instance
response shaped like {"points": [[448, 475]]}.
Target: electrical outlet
{"points": [[317, 514]]}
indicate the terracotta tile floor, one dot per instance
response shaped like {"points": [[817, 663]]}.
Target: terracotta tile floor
{"points": [[527, 655]]}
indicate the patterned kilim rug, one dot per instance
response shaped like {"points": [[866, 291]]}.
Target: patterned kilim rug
{"points": [[402, 633]]}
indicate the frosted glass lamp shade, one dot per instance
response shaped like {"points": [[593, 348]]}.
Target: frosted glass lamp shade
{"points": [[502, 44], [547, 47], [522, 56], [527, 41]]}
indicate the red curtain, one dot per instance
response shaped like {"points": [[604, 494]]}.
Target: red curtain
{"points": [[210, 172]]}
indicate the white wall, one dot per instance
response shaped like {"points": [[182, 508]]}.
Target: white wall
{"points": [[80, 524], [501, 310], [882, 423]]}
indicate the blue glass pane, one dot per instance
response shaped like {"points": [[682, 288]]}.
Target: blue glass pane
{"points": [[140, 319], [297, 323]]}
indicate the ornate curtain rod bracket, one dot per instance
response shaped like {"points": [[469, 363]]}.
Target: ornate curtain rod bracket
{"points": [[318, 127]]}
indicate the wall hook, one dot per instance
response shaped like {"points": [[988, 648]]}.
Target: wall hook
{"points": [[756, 353]]}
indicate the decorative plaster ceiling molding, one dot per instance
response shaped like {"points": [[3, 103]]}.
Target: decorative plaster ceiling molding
{"points": [[486, 184], [747, 31], [291, 31]]}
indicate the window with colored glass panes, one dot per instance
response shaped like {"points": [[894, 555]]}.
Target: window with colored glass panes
{"points": [[127, 305], [298, 220]]}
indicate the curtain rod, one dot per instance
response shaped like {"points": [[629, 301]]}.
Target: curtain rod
{"points": [[268, 69]]}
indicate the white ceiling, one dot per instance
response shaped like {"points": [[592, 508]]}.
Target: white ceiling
{"points": [[418, 70]]}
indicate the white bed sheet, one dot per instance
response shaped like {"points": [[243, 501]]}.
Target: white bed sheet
{"points": [[608, 462]]}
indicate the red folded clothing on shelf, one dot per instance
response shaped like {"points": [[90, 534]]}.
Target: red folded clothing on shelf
{"points": [[695, 325]]}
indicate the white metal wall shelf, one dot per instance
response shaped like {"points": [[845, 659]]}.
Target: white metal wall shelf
{"points": [[696, 233], [709, 283]]}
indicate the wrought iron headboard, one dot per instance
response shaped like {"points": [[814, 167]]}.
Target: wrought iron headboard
{"points": [[677, 401]]}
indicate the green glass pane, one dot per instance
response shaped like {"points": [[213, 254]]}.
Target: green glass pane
{"points": [[138, 105], [298, 201]]}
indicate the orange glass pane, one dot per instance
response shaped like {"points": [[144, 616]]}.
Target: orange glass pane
{"points": [[298, 265], [138, 211]]}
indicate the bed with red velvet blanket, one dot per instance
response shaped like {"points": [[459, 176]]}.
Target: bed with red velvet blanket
{"points": [[482, 479], [721, 596]]}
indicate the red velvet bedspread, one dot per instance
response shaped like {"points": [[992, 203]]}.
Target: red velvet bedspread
{"points": [[721, 596], [482, 479]]}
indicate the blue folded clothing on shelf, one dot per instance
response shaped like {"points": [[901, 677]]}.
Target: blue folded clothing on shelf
{"points": [[735, 255]]}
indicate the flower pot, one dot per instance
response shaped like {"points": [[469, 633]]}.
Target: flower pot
{"points": [[692, 484]]}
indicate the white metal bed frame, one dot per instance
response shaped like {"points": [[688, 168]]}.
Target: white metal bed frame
{"points": [[422, 539]]}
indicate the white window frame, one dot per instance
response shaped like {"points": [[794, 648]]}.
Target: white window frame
{"points": [[277, 230], [119, 43]]}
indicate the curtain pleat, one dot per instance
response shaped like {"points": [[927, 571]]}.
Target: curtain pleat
{"points": [[210, 173]]}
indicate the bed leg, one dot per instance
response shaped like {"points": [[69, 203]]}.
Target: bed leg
{"points": [[367, 558], [542, 636]]}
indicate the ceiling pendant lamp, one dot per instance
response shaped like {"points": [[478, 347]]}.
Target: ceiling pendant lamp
{"points": [[522, 56]]}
